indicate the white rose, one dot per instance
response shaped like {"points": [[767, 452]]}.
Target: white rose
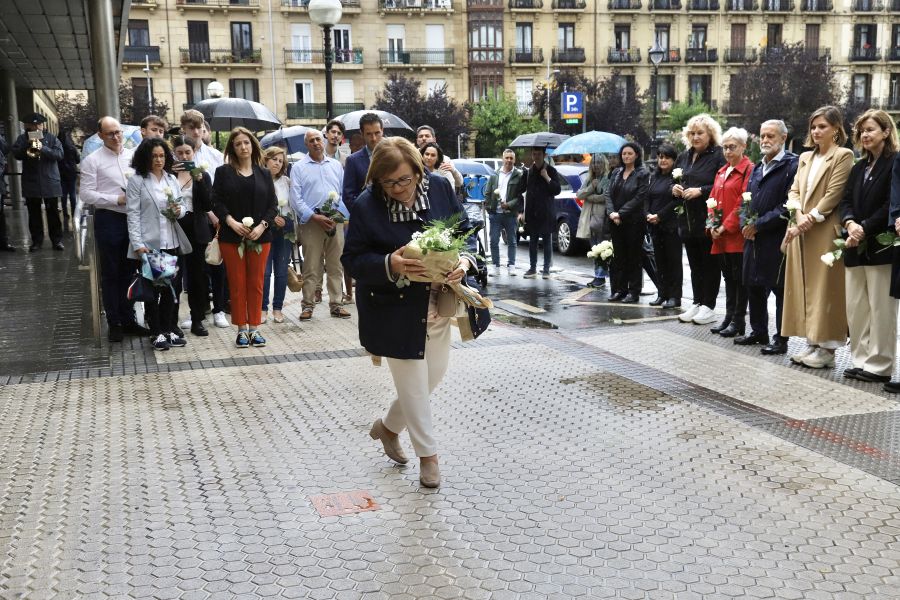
{"points": [[497, 192], [606, 245], [828, 259], [677, 173], [282, 202], [711, 203], [247, 221], [332, 195], [604, 254], [592, 254], [792, 204], [746, 196]]}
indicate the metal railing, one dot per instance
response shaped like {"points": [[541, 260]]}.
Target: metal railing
{"points": [[568, 55], [317, 57], [701, 55], [526, 4], [201, 55], [664, 4], [219, 3], [894, 53], [416, 57], [740, 55], [305, 3], [671, 55], [778, 6], [623, 55], [569, 4], [624, 5], [817, 6], [316, 110], [484, 4], [403, 5], [530, 56], [486, 55], [88, 260], [703, 5], [741, 5], [139, 54], [865, 54], [868, 6], [817, 53]]}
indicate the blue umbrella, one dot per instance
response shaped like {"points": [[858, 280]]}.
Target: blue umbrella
{"points": [[592, 142], [471, 167], [130, 133], [294, 137]]}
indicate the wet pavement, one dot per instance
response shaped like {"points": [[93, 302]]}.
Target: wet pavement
{"points": [[587, 451]]}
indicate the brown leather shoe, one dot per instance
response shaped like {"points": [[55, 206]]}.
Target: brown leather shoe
{"points": [[340, 313], [306, 314], [390, 442], [429, 474]]}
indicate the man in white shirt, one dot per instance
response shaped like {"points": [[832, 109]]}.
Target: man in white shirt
{"points": [[104, 177], [192, 126]]}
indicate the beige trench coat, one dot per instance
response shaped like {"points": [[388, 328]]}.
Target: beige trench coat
{"points": [[814, 301]]}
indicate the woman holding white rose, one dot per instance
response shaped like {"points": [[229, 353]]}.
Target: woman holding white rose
{"points": [[282, 236], [244, 200], [814, 302]]}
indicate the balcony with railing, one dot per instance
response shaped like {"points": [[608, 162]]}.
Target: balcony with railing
{"points": [[573, 55], [202, 55], [741, 5], [777, 6], [703, 5], [624, 5], [526, 56], [817, 6], [415, 6], [223, 4], [894, 6], [772, 53], [702, 55], [483, 56], [893, 54], [141, 54], [416, 57], [865, 54], [658, 5], [315, 59], [868, 6], [316, 111], [740, 55], [491, 5], [817, 53], [569, 5], [670, 55], [526, 5], [892, 103], [288, 6], [623, 55]]}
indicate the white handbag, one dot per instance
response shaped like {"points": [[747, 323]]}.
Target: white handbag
{"points": [[213, 252]]}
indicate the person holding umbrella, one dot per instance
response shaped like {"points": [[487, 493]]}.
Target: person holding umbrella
{"points": [[541, 187]]}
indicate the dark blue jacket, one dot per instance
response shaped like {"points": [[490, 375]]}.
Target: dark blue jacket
{"points": [[866, 203], [392, 320], [762, 256], [355, 169], [40, 176]]}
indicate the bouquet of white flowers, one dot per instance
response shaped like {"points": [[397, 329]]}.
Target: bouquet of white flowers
{"points": [[330, 210], [602, 253]]}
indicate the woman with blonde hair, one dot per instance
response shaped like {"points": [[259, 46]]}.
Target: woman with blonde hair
{"points": [[871, 311], [400, 322], [694, 173], [814, 301], [282, 245], [244, 200]]}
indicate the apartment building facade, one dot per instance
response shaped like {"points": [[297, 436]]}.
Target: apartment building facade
{"points": [[269, 51]]}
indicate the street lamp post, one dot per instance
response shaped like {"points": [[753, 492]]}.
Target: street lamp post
{"points": [[549, 75], [326, 14], [656, 56]]}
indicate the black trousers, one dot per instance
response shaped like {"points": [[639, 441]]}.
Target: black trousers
{"points": [[547, 238], [759, 313], [4, 237], [116, 269], [162, 314], [705, 271], [669, 270], [628, 250], [36, 219], [732, 265], [192, 272]]}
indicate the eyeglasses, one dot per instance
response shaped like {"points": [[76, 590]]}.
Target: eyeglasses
{"points": [[401, 183], [114, 133], [730, 147]]}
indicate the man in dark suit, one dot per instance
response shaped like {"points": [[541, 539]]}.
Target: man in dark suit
{"points": [[357, 164], [40, 153], [763, 264], [4, 240]]}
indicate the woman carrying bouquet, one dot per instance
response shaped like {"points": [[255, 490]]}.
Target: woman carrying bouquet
{"points": [[663, 224], [627, 223], [244, 199], [282, 236], [398, 319], [594, 193]]}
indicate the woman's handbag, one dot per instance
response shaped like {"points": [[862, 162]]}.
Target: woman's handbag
{"points": [[294, 281], [141, 289], [213, 252]]}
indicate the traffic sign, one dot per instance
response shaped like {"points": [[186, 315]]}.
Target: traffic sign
{"points": [[572, 105]]}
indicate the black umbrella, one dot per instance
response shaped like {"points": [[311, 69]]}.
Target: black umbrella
{"points": [[543, 139], [224, 114], [393, 125]]}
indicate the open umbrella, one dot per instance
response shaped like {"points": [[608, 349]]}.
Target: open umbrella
{"points": [[471, 167], [293, 137], [544, 139], [224, 114], [131, 139], [592, 142], [393, 125]]}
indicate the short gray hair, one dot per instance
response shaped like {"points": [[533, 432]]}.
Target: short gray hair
{"points": [[777, 123], [736, 133]]}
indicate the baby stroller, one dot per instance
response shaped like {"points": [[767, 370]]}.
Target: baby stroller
{"points": [[475, 212]]}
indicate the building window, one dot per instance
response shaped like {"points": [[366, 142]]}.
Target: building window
{"points": [[196, 90], [622, 36], [662, 36], [700, 88], [433, 85], [248, 89], [665, 88], [396, 36], [138, 32], [524, 90], [697, 41], [485, 85], [242, 40], [811, 39], [864, 37], [139, 100], [344, 92], [895, 38], [198, 41], [303, 91], [523, 37], [738, 36], [860, 89], [773, 35], [894, 92], [566, 36], [626, 87], [486, 41], [343, 44]]}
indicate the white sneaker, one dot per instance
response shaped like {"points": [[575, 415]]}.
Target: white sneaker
{"points": [[797, 359], [819, 359], [511, 270], [688, 315], [220, 320], [186, 324], [495, 270], [704, 316]]}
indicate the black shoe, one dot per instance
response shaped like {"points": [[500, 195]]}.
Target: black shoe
{"points": [[617, 297], [672, 303], [721, 326], [34, 247], [851, 372], [597, 282], [753, 338], [178, 331], [115, 333], [732, 330], [135, 329], [59, 246], [176, 341], [630, 299], [868, 377], [198, 329], [658, 301], [892, 387], [7, 248], [774, 348]]}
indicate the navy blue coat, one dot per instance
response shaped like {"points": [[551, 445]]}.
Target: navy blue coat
{"points": [[392, 320], [40, 176], [762, 256], [355, 170]]}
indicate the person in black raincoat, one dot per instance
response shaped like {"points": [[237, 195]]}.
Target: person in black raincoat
{"points": [[40, 180], [541, 187]]}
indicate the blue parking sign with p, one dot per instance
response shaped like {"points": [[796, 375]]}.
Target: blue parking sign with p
{"points": [[572, 105]]}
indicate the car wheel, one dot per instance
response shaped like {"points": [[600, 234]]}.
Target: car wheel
{"points": [[564, 242]]}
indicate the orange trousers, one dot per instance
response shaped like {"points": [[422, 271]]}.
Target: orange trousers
{"points": [[245, 282]]}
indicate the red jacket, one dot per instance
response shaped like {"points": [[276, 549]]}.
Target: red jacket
{"points": [[728, 190]]}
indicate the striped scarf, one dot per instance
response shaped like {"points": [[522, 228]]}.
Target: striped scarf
{"points": [[401, 214]]}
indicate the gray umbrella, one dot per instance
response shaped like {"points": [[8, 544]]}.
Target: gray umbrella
{"points": [[543, 139], [393, 125], [224, 114], [293, 137]]}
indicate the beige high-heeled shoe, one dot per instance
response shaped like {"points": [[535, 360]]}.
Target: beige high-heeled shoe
{"points": [[391, 443], [429, 474]]}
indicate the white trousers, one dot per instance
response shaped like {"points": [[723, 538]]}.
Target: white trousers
{"points": [[872, 318], [414, 381]]}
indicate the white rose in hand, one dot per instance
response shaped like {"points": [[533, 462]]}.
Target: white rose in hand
{"points": [[711, 203], [247, 221], [792, 205], [747, 196], [828, 259]]}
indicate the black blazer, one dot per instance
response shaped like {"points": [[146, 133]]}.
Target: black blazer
{"points": [[699, 173], [392, 320], [867, 203], [202, 234], [226, 201], [628, 197], [661, 202]]}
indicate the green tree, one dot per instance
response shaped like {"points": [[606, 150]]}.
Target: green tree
{"points": [[497, 122], [76, 113]]}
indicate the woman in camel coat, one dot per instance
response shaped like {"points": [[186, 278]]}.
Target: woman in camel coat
{"points": [[814, 300]]}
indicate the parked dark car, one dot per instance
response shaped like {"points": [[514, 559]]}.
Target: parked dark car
{"points": [[568, 209]]}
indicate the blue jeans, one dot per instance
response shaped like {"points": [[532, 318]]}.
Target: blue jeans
{"points": [[279, 258], [503, 222]]}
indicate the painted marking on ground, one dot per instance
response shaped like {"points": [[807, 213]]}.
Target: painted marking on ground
{"points": [[523, 306]]}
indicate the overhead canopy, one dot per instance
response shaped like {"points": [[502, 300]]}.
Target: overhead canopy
{"points": [[45, 44]]}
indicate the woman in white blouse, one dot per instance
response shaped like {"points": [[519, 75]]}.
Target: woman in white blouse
{"points": [[152, 194], [433, 157], [282, 235]]}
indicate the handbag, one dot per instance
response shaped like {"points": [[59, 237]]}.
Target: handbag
{"points": [[141, 289], [213, 255], [294, 280]]}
